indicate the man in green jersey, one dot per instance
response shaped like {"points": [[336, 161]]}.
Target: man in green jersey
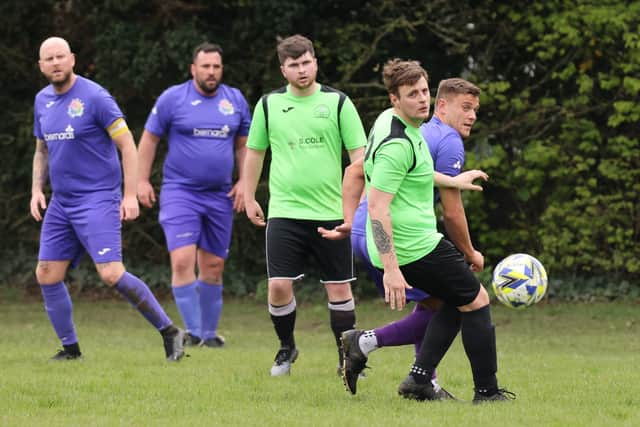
{"points": [[305, 124], [403, 240]]}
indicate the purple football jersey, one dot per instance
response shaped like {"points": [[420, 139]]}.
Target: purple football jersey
{"points": [[445, 145], [359, 222], [82, 157], [201, 131]]}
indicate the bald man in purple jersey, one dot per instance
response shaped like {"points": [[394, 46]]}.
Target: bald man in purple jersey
{"points": [[206, 124], [78, 126]]}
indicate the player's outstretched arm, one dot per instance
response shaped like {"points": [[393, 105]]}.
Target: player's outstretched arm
{"points": [[463, 181], [39, 179], [253, 162], [146, 154]]}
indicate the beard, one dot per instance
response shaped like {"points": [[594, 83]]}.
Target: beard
{"points": [[61, 81], [206, 87]]}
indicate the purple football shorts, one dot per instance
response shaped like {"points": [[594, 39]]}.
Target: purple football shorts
{"points": [[203, 218], [92, 225]]}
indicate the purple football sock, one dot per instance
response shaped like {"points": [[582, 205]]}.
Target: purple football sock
{"points": [[188, 303], [408, 330], [57, 303], [419, 338], [210, 308], [140, 296]]}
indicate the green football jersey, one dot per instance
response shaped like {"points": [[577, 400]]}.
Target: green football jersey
{"points": [[398, 162], [306, 135]]}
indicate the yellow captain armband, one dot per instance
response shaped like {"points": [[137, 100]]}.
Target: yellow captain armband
{"points": [[118, 128]]}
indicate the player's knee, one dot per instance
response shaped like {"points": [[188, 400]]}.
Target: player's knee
{"points": [[182, 265], [110, 273], [338, 292], [209, 277], [280, 290], [212, 271], [41, 274], [481, 300], [46, 274]]}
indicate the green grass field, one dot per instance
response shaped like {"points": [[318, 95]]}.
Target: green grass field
{"points": [[570, 365]]}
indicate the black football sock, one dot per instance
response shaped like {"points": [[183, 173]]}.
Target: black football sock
{"points": [[479, 340], [342, 317], [283, 318], [441, 332]]}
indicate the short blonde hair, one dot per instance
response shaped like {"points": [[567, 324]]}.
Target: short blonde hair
{"points": [[456, 86]]}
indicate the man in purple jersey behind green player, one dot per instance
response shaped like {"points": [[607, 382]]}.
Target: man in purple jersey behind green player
{"points": [[78, 125], [456, 105], [206, 124], [306, 125], [402, 241]]}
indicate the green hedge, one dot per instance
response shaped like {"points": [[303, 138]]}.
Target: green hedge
{"points": [[557, 131]]}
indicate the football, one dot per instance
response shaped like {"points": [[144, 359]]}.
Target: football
{"points": [[519, 281]]}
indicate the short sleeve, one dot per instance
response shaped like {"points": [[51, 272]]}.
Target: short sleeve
{"points": [[351, 128], [106, 110], [258, 136], [245, 116], [449, 156], [159, 118], [391, 164]]}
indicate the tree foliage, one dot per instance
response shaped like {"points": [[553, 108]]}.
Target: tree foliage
{"points": [[560, 138], [557, 132]]}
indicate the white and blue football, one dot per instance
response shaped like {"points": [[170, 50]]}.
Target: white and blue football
{"points": [[519, 281]]}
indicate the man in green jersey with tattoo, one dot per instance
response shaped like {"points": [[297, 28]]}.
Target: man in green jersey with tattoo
{"points": [[305, 124], [403, 240]]}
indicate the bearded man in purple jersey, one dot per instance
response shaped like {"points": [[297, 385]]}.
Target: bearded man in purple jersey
{"points": [[78, 125], [206, 124]]}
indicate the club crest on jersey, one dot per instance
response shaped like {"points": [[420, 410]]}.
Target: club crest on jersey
{"points": [[226, 107], [321, 111], [76, 108]]}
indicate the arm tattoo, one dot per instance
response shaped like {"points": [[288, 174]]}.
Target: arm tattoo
{"points": [[380, 237], [40, 164]]}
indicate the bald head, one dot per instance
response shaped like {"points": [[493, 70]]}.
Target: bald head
{"points": [[57, 62], [57, 43]]}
